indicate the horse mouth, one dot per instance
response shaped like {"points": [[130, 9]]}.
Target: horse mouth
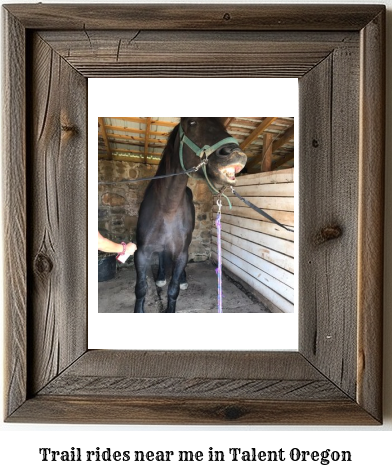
{"points": [[229, 172]]}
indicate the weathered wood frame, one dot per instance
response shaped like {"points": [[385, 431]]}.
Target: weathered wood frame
{"points": [[338, 54]]}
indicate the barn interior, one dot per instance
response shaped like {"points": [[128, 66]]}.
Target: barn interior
{"points": [[257, 255]]}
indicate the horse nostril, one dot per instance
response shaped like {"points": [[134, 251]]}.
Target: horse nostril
{"points": [[225, 151]]}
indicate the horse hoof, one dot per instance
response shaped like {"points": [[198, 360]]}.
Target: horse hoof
{"points": [[183, 286], [160, 283]]}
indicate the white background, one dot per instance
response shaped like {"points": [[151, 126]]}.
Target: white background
{"points": [[370, 447], [275, 97]]}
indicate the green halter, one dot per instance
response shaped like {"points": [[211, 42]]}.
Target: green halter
{"points": [[203, 153]]}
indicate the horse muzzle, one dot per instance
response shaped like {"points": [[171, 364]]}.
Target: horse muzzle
{"points": [[229, 163]]}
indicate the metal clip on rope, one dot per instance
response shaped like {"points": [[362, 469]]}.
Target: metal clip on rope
{"points": [[219, 204]]}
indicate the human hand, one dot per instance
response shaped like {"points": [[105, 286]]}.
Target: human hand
{"points": [[131, 248]]}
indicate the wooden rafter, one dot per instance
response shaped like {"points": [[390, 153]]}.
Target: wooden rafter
{"points": [[282, 160], [134, 152], [135, 130], [162, 123], [147, 136], [266, 162], [278, 144], [257, 131], [124, 129], [135, 159], [285, 138], [104, 136], [135, 139], [150, 136], [228, 121]]}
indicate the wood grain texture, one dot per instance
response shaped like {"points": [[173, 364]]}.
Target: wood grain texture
{"points": [[185, 374], [266, 227], [188, 387], [280, 260], [371, 216], [329, 196], [263, 286], [207, 364], [14, 222], [340, 303], [192, 17], [285, 217], [258, 252], [57, 207], [134, 53], [192, 387], [153, 411]]}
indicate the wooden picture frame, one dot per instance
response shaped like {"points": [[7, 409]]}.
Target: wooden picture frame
{"points": [[338, 54]]}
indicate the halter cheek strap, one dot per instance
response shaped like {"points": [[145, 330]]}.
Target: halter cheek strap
{"points": [[203, 153]]}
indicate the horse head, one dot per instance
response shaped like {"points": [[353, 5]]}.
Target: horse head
{"points": [[205, 139]]}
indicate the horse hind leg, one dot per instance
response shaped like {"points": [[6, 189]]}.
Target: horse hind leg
{"points": [[174, 285], [141, 261], [161, 278]]}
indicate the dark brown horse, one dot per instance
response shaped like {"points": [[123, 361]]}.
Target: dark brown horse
{"points": [[167, 214]]}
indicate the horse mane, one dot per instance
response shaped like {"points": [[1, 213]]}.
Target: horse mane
{"points": [[165, 165]]}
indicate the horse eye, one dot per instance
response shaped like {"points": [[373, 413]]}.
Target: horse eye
{"points": [[192, 123]]}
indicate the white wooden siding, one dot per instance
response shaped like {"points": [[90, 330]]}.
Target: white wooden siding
{"points": [[258, 252]]}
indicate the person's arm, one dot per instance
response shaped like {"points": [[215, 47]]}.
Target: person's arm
{"points": [[106, 245]]}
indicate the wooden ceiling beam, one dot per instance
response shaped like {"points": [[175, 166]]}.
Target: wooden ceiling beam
{"points": [[102, 129], [135, 159], [228, 121], [134, 152], [148, 126], [162, 123], [125, 129], [131, 119], [114, 137], [257, 131], [285, 138], [135, 130], [241, 128], [266, 162], [282, 160]]}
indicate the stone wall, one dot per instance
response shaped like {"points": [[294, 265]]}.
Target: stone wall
{"points": [[118, 205]]}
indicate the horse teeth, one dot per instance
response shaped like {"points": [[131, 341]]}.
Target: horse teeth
{"points": [[230, 172]]}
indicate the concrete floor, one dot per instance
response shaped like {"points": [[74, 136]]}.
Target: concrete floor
{"points": [[118, 295]]}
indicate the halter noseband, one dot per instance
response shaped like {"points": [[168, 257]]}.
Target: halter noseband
{"points": [[203, 153]]}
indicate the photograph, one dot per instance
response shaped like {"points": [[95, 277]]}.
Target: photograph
{"points": [[196, 214]]}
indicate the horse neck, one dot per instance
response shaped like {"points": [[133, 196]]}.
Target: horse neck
{"points": [[172, 189]]}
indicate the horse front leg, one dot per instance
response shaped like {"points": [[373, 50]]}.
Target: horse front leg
{"points": [[141, 262], [183, 281], [161, 278], [174, 286]]}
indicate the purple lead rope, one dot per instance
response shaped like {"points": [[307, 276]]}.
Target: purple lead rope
{"points": [[218, 244]]}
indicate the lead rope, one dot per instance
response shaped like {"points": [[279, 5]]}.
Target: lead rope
{"points": [[218, 244], [260, 211]]}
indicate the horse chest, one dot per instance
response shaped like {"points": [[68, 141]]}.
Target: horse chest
{"points": [[177, 223]]}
